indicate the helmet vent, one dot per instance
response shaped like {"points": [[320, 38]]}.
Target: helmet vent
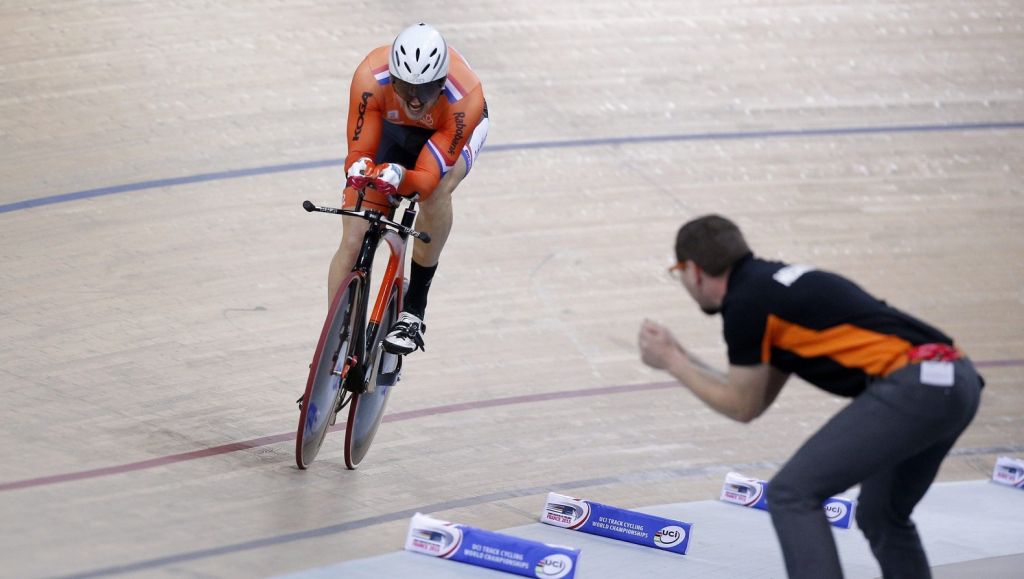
{"points": [[417, 54]]}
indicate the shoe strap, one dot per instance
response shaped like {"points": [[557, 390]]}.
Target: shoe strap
{"points": [[410, 331]]}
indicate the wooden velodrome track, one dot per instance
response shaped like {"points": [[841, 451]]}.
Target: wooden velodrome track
{"points": [[161, 289]]}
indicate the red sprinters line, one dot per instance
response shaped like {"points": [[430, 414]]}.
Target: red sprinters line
{"points": [[396, 417]]}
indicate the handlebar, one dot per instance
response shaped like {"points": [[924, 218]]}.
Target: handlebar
{"points": [[369, 215]]}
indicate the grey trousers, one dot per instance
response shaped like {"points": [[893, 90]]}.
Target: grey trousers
{"points": [[891, 439]]}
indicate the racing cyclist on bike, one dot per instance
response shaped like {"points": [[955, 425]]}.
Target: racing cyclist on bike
{"points": [[416, 122]]}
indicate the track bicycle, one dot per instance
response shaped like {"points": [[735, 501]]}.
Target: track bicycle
{"points": [[350, 367]]}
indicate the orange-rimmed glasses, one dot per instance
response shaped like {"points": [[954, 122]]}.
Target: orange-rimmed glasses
{"points": [[677, 270]]}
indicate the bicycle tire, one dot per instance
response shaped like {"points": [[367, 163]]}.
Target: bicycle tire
{"points": [[366, 409], [324, 390]]}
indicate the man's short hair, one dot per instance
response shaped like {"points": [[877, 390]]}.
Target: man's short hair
{"points": [[713, 242]]}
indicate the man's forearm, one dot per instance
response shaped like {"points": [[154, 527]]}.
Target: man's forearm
{"points": [[708, 384]]}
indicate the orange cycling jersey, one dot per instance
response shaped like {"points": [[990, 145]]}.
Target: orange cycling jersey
{"points": [[453, 117]]}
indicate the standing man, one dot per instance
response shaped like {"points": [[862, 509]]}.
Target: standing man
{"points": [[416, 122], [913, 391]]}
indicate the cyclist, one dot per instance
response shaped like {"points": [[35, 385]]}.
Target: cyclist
{"points": [[416, 122]]}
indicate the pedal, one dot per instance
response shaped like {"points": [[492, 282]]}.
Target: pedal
{"points": [[391, 364], [391, 369]]}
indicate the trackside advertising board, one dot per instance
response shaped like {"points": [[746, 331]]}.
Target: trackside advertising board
{"points": [[751, 492], [616, 523], [1009, 471], [483, 548]]}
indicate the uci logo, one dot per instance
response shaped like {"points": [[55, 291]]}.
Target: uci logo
{"points": [[835, 511], [669, 537], [554, 566]]}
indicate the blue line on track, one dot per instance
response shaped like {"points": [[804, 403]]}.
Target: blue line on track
{"points": [[608, 141]]}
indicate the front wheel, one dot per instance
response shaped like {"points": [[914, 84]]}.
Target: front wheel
{"points": [[324, 394], [366, 410]]}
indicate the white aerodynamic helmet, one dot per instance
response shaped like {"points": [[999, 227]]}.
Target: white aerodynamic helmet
{"points": [[419, 55]]}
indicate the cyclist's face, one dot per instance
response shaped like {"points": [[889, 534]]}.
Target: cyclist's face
{"points": [[417, 98]]}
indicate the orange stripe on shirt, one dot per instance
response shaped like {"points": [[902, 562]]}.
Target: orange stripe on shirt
{"points": [[875, 353]]}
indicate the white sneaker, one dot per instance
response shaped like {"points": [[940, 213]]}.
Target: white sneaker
{"points": [[406, 335]]}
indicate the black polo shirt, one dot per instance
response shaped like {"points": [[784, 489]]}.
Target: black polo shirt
{"points": [[817, 325]]}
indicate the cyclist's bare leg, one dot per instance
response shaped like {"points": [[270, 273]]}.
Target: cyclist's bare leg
{"points": [[435, 218], [344, 258]]}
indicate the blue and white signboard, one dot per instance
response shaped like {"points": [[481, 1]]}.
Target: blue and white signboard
{"points": [[616, 523]]}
